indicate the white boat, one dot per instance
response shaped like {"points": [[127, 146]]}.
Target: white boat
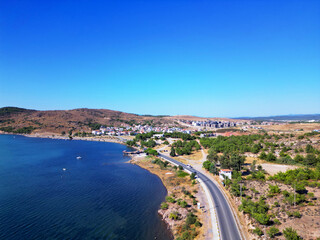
{"points": [[79, 157], [64, 169]]}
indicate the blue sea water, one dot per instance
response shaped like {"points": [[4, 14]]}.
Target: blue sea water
{"points": [[98, 197]]}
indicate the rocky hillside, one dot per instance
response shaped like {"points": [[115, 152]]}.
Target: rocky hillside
{"points": [[22, 120]]}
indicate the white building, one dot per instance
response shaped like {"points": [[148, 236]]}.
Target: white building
{"points": [[225, 173], [96, 132]]}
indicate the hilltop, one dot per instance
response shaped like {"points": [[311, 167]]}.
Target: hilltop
{"points": [[81, 119]]}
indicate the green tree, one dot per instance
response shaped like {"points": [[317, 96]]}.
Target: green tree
{"points": [[253, 165], [263, 156], [193, 176], [206, 165], [298, 158], [309, 149], [172, 152], [236, 162], [271, 157], [291, 234], [272, 232], [164, 206], [258, 231], [213, 157], [311, 159]]}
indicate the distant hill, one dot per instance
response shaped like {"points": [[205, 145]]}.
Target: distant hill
{"points": [[12, 110], [291, 117], [21, 120], [83, 119]]}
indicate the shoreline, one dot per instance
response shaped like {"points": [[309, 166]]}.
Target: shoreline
{"points": [[53, 136], [167, 177], [133, 160]]}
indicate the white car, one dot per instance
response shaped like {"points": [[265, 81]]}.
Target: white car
{"points": [[189, 166]]}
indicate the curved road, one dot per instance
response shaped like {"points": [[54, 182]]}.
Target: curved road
{"points": [[227, 223]]}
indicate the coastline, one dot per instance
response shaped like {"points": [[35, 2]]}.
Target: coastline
{"points": [[174, 186], [53, 136], [172, 227]]}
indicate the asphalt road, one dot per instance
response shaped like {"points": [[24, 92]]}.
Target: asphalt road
{"points": [[227, 223]]}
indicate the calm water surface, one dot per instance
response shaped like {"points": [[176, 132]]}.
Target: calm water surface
{"points": [[98, 197]]}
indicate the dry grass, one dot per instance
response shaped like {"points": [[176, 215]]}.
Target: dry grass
{"points": [[307, 127], [196, 156], [249, 160]]}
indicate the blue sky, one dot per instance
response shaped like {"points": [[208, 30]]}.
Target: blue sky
{"points": [[206, 58]]}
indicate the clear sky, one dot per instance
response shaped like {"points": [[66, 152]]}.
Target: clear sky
{"points": [[207, 58]]}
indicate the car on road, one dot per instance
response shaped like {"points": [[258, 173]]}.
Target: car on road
{"points": [[189, 166]]}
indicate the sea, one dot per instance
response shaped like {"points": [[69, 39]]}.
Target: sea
{"points": [[47, 193]]}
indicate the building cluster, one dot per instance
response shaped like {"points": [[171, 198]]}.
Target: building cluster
{"points": [[122, 131], [211, 123]]}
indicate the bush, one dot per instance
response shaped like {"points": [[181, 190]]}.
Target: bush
{"points": [[276, 204], [170, 199], [258, 231], [291, 234], [151, 151], [274, 190], [272, 231], [164, 206], [174, 216], [295, 214], [262, 218], [276, 221], [191, 219], [193, 176], [182, 174], [183, 204], [194, 201], [271, 158], [197, 224], [258, 210]]}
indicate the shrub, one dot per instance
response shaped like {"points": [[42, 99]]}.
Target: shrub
{"points": [[276, 221], [271, 158], [181, 173], [291, 234], [276, 204], [191, 219], [197, 224], [263, 156], [274, 190], [295, 214], [183, 204], [258, 210], [164, 206], [272, 231], [170, 199], [151, 151], [259, 175], [262, 218], [194, 202], [193, 176], [258, 231], [174, 216]]}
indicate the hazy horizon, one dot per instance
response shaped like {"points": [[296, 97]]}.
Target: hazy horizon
{"points": [[141, 114], [202, 58]]}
